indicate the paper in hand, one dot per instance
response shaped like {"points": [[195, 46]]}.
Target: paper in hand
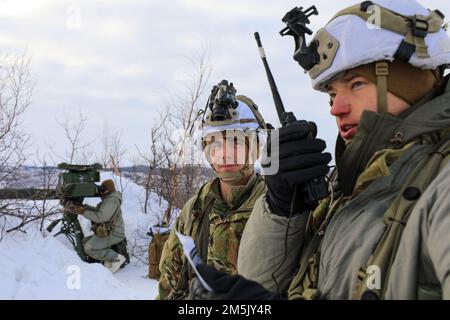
{"points": [[190, 251]]}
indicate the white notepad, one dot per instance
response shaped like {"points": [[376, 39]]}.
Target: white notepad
{"points": [[190, 251]]}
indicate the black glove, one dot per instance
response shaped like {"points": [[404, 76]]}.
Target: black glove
{"points": [[301, 159], [227, 287]]}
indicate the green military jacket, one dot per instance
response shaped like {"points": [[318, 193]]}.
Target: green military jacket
{"points": [[377, 167], [224, 223]]}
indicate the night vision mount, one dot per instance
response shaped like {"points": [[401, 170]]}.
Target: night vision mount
{"points": [[221, 99], [296, 21]]}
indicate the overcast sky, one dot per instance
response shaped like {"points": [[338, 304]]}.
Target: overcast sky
{"points": [[116, 60]]}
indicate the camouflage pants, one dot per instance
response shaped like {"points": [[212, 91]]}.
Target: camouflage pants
{"points": [[100, 248]]}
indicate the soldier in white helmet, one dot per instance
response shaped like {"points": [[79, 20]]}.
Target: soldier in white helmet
{"points": [[383, 231], [216, 216]]}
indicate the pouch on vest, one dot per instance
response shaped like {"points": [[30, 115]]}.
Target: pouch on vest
{"points": [[103, 230]]}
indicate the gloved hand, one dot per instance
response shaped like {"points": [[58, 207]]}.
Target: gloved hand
{"points": [[75, 209], [227, 287], [301, 159]]}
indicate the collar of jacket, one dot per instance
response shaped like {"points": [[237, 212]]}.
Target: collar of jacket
{"points": [[114, 194], [378, 131], [235, 195]]}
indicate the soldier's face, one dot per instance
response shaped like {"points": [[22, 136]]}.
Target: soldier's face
{"points": [[350, 95], [228, 154]]}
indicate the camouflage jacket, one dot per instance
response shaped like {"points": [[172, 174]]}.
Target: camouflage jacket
{"points": [[220, 246]]}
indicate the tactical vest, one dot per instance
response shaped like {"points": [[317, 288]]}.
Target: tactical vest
{"points": [[305, 283], [198, 227]]}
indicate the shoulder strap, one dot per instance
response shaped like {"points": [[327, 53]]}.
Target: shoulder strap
{"points": [[203, 229], [304, 285], [201, 240], [396, 217]]}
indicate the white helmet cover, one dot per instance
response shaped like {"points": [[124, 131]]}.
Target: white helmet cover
{"points": [[361, 42], [245, 118]]}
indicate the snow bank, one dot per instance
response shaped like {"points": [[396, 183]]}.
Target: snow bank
{"points": [[37, 267], [43, 268]]}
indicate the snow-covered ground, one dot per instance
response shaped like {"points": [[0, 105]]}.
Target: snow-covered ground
{"points": [[36, 266]]}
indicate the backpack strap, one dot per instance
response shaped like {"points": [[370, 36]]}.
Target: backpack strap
{"points": [[396, 217], [305, 283], [199, 213]]}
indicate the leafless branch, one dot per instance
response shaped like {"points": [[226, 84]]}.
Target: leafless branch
{"points": [[78, 151], [16, 89]]}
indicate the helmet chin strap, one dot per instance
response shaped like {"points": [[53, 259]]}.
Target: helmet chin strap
{"points": [[382, 72], [233, 178]]}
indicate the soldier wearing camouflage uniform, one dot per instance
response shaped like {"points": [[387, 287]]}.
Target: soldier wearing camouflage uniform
{"points": [[383, 232], [216, 216]]}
